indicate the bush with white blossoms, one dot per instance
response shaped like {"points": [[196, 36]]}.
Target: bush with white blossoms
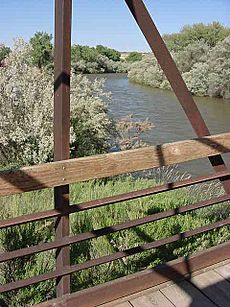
{"points": [[26, 112], [25, 109]]}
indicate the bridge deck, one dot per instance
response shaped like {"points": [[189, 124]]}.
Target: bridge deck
{"points": [[205, 288]]}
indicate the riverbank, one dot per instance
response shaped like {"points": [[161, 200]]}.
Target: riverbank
{"points": [[204, 68], [164, 111]]}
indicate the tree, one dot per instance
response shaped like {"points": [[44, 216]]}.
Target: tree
{"points": [[4, 52], [42, 49], [101, 59], [134, 57], [110, 53], [211, 34]]}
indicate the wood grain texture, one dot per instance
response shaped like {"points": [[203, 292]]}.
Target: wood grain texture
{"points": [[183, 294], [125, 304], [224, 271], [214, 286], [155, 299], [75, 170]]}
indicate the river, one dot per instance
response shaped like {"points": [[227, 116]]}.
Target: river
{"points": [[164, 111]]}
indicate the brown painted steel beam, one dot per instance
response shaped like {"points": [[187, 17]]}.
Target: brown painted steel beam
{"points": [[164, 58], [92, 204], [110, 229], [62, 66], [174, 270], [109, 258]]}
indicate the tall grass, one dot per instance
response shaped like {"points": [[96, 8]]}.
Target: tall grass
{"points": [[34, 233]]}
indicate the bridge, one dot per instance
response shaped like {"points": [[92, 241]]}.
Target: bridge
{"points": [[200, 279]]}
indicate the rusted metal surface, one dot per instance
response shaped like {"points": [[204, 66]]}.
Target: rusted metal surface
{"points": [[110, 229], [111, 200], [65, 271], [173, 270], [62, 66], [164, 58]]}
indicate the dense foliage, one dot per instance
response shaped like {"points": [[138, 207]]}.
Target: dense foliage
{"points": [[111, 54], [4, 52], [84, 59], [134, 57], [203, 57], [26, 112], [211, 34], [100, 59], [41, 49]]}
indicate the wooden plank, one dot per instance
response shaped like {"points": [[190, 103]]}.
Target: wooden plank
{"points": [[214, 286], [75, 170], [125, 304], [183, 294], [224, 271], [150, 300], [132, 297], [117, 304]]}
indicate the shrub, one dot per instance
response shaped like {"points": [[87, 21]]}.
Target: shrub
{"points": [[197, 79], [91, 60], [211, 34], [4, 52], [26, 112], [134, 57], [204, 68]]}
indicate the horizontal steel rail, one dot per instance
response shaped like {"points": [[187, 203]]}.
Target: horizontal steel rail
{"points": [[174, 270], [110, 229], [111, 200], [116, 256]]}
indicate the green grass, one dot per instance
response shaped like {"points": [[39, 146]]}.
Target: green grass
{"points": [[34, 233]]}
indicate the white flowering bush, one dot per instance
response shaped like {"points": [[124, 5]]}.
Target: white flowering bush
{"points": [[197, 79], [93, 130], [26, 112]]}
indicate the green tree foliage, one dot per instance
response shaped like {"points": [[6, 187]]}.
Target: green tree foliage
{"points": [[111, 54], [42, 49], [86, 53], [211, 34], [4, 52], [205, 68], [134, 57], [101, 59]]}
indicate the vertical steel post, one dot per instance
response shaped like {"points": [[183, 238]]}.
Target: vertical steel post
{"points": [[163, 56], [62, 64]]}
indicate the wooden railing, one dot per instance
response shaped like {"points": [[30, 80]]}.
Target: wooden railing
{"points": [[95, 167], [107, 165]]}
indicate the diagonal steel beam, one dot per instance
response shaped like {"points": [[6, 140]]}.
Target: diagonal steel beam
{"points": [[165, 60]]}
